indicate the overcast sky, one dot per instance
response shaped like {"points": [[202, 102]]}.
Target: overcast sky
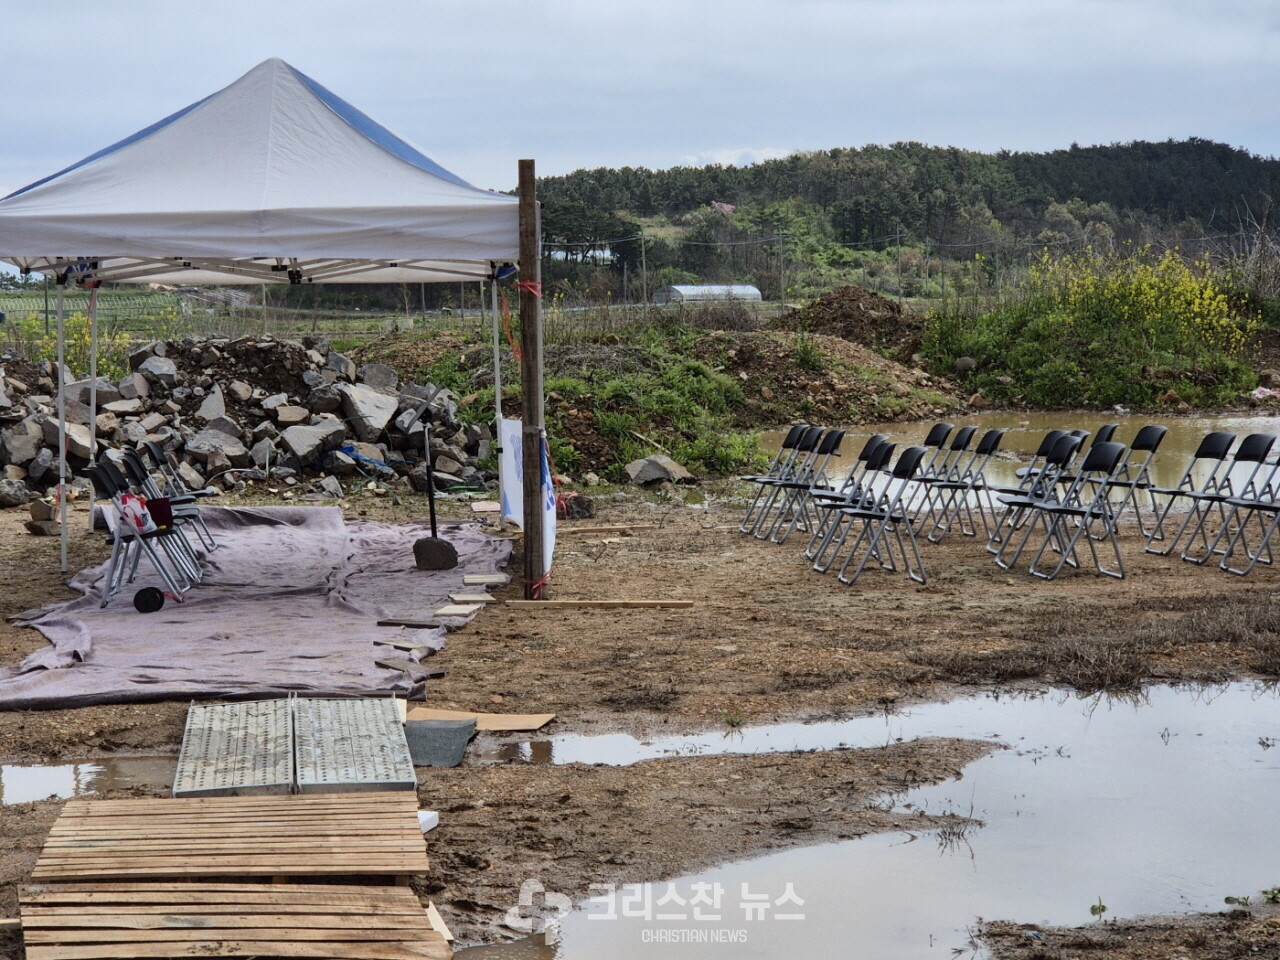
{"points": [[586, 83]]}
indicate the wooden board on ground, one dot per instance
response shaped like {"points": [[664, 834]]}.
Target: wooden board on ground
{"points": [[458, 609], [484, 579], [612, 528], [485, 506], [112, 921], [493, 722], [302, 835], [437, 922], [480, 598], [411, 624], [599, 604]]}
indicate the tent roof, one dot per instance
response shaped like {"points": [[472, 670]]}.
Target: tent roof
{"points": [[269, 176]]}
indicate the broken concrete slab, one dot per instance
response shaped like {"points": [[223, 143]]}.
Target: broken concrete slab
{"points": [[367, 410]]}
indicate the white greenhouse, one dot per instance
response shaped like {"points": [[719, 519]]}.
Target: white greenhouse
{"points": [[697, 294]]}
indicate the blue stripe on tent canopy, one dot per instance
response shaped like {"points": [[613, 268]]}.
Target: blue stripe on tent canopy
{"points": [[119, 145], [375, 131]]}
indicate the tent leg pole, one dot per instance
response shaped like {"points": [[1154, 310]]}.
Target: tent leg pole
{"points": [[62, 428], [531, 381], [497, 383], [93, 380]]}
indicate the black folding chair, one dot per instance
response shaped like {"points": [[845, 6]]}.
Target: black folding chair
{"points": [[791, 496], [871, 484], [887, 518], [956, 497], [1211, 452], [1043, 491], [1084, 511], [849, 491], [1134, 473], [1250, 456], [791, 467], [778, 467], [946, 468]]}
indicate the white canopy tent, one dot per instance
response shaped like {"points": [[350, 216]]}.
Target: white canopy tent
{"points": [[273, 179]]}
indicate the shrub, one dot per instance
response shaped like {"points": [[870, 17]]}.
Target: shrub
{"points": [[1096, 331]]}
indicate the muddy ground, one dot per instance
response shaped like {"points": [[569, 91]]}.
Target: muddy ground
{"points": [[767, 639]]}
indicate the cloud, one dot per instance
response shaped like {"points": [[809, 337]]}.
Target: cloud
{"points": [[733, 156]]}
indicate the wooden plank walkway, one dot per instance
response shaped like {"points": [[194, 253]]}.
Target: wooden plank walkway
{"points": [[303, 835], [112, 921]]}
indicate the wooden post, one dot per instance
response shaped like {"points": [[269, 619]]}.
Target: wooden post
{"points": [[531, 378]]}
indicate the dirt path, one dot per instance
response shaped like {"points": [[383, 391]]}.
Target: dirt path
{"points": [[767, 639]]}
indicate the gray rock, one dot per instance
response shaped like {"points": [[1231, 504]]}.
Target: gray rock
{"points": [[288, 415], [79, 443], [263, 452], [133, 386], [240, 391], [432, 553], [965, 364], [367, 410], [134, 432], [308, 442], [275, 400], [81, 390], [214, 406], [313, 378], [224, 425], [655, 469], [21, 448], [447, 465], [145, 353], [125, 408], [339, 463], [265, 429], [41, 465], [42, 509], [160, 369], [325, 398], [331, 488], [214, 444], [153, 422], [14, 493], [43, 528], [379, 376], [342, 367], [192, 477]]}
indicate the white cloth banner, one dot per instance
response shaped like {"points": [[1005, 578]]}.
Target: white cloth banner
{"points": [[511, 484]]}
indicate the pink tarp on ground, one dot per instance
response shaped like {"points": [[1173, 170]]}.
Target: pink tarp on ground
{"points": [[289, 602]]}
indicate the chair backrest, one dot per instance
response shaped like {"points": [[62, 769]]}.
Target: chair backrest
{"points": [[830, 443], [909, 463], [103, 489], [1105, 432], [868, 448], [963, 437], [1103, 457], [791, 439], [938, 434], [156, 452], [809, 439], [880, 457], [1255, 447], [990, 442], [1214, 446], [1046, 445], [1149, 438], [134, 467], [112, 473], [1082, 434], [1064, 450]]}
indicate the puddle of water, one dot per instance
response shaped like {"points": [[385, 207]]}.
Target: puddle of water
{"points": [[1026, 430], [1157, 806], [22, 784]]}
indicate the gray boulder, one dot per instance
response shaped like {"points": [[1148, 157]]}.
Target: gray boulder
{"points": [[379, 376], [656, 469], [324, 399], [344, 368], [14, 493], [308, 442], [133, 386], [214, 444], [78, 440], [213, 405], [160, 369], [367, 410]]}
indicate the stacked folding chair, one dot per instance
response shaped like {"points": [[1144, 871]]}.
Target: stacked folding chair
{"points": [[1243, 479], [1084, 512], [166, 548], [883, 524], [946, 467], [1207, 472], [798, 442], [954, 498], [1267, 513], [1022, 506], [1037, 479], [785, 495], [185, 509], [873, 480], [808, 516], [1133, 478]]}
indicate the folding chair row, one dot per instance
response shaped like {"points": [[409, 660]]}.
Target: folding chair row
{"points": [[782, 494], [175, 561]]}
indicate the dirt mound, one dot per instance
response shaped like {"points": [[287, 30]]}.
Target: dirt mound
{"points": [[859, 316]]}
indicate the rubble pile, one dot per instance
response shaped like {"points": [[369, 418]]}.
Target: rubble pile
{"points": [[232, 412]]}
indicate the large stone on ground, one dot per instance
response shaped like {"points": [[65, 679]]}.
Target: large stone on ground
{"points": [[134, 386], [263, 452], [41, 465], [153, 422], [655, 469], [215, 444], [379, 376], [160, 369], [287, 415], [240, 390], [432, 553], [128, 407], [275, 400], [145, 353], [367, 410], [81, 390], [308, 442], [213, 406], [331, 488], [14, 493], [324, 399], [224, 425], [21, 448], [78, 441], [341, 366], [192, 477]]}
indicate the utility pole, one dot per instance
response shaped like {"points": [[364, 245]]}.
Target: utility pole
{"points": [[644, 276], [898, 237], [46, 304], [531, 381]]}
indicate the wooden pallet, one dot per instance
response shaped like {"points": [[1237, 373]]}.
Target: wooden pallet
{"points": [[112, 921], [303, 835]]}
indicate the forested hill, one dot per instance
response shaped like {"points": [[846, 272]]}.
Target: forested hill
{"points": [[941, 194]]}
